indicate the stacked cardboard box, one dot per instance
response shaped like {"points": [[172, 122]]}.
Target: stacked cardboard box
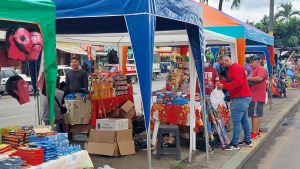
{"points": [[114, 138], [127, 110]]}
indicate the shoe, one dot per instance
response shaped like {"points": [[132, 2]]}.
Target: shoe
{"points": [[258, 134], [247, 144], [253, 136], [231, 147]]}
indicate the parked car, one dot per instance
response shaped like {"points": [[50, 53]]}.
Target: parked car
{"points": [[62, 72], [6, 73]]}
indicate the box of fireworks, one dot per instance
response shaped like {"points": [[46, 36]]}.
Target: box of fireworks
{"points": [[127, 110], [114, 114], [80, 132], [5, 131], [42, 129], [111, 149], [79, 111], [5, 148], [34, 138], [112, 124]]}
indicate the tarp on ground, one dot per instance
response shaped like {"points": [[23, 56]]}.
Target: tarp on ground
{"points": [[41, 13], [245, 34]]}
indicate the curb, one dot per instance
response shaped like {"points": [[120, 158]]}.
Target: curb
{"points": [[240, 158]]}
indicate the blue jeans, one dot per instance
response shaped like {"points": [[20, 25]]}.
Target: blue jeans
{"points": [[239, 117]]}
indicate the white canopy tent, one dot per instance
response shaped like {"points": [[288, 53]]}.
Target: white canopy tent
{"points": [[165, 38]]}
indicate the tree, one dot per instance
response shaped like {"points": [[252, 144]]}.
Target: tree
{"points": [[286, 12], [235, 4], [263, 24], [286, 26]]}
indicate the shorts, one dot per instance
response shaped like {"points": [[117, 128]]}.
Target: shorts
{"points": [[256, 109]]}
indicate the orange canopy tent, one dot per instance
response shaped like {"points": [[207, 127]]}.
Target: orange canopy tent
{"points": [[245, 34]]}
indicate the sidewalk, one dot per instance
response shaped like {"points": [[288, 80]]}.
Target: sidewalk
{"points": [[236, 159], [219, 158]]}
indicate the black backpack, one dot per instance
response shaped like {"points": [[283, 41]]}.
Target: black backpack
{"points": [[113, 57]]}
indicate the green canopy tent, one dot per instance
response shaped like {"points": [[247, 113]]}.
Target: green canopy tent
{"points": [[40, 13]]}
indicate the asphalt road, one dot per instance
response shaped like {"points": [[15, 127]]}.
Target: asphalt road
{"points": [[282, 149], [11, 113]]}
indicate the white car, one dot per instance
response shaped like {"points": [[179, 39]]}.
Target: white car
{"points": [[62, 72], [6, 73]]}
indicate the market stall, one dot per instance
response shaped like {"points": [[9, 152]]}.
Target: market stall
{"points": [[140, 19], [28, 27], [40, 147]]}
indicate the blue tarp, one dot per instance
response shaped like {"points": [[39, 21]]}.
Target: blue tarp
{"points": [[140, 18]]}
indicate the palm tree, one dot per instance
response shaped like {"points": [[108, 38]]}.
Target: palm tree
{"points": [[235, 4], [286, 11]]}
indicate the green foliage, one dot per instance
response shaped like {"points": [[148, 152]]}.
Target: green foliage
{"points": [[177, 166], [286, 26]]}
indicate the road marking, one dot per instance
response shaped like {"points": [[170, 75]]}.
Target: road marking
{"points": [[15, 116]]}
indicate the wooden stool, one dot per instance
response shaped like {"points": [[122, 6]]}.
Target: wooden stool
{"points": [[162, 148]]}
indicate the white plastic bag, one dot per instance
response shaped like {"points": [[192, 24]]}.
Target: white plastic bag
{"points": [[217, 98]]}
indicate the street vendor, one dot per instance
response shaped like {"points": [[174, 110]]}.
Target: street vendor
{"points": [[76, 79], [240, 95]]}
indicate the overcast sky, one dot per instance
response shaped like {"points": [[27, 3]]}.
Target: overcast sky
{"points": [[251, 10]]}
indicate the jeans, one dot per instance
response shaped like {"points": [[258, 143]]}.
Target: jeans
{"points": [[239, 117]]}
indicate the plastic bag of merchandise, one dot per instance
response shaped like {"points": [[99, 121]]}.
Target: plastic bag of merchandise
{"points": [[217, 98]]}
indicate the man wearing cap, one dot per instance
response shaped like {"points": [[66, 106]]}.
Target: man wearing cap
{"points": [[258, 85]]}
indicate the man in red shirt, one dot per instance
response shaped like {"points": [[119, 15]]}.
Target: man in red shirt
{"points": [[240, 95], [258, 87]]}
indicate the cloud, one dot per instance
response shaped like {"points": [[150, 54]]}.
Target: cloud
{"points": [[252, 10]]}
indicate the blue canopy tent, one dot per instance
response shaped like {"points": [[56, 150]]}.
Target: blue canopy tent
{"points": [[253, 50], [140, 19], [265, 51]]}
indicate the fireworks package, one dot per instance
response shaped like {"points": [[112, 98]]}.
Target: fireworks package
{"points": [[31, 156]]}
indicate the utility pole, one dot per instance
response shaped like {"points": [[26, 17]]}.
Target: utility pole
{"points": [[271, 32], [271, 18]]}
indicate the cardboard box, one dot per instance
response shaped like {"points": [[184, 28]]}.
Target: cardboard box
{"points": [[129, 124], [126, 148], [114, 114], [112, 124], [108, 149], [104, 136], [124, 135], [127, 110], [79, 112], [111, 149], [80, 132]]}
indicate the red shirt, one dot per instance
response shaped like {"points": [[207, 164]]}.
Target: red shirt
{"points": [[259, 89], [211, 77], [237, 85]]}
